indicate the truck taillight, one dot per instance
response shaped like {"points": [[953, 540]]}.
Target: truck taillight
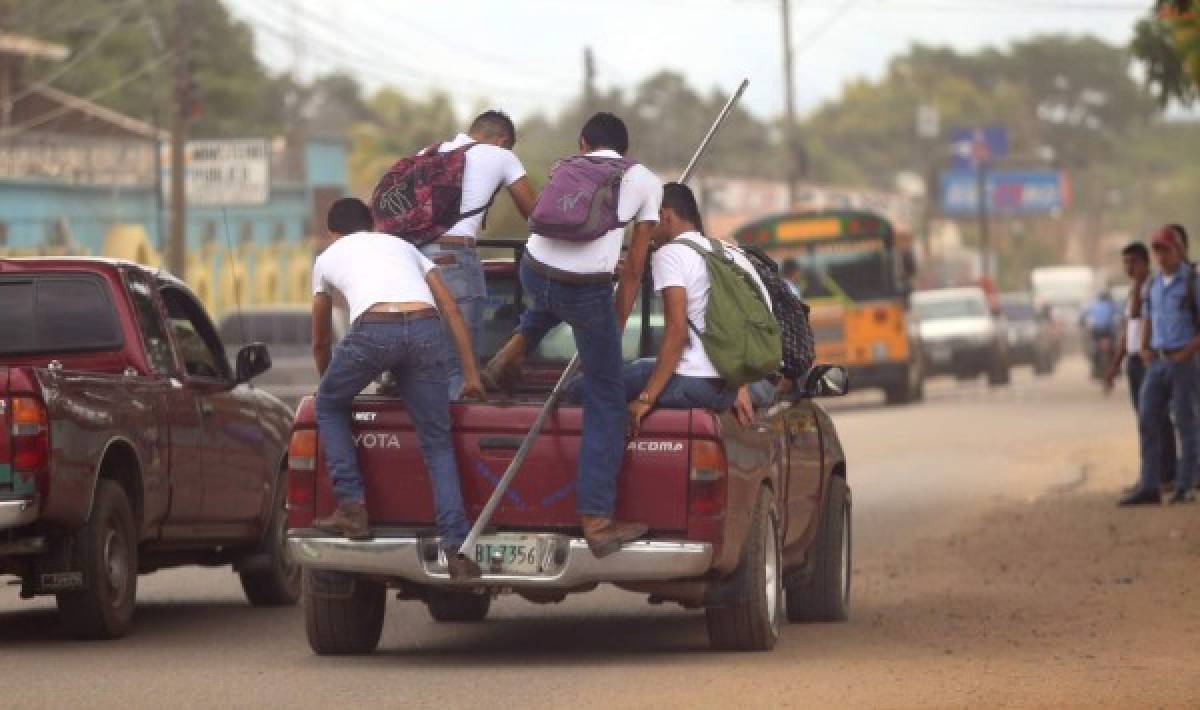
{"points": [[302, 467], [30, 440], [706, 479]]}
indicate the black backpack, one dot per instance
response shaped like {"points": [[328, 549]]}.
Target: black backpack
{"points": [[799, 344]]}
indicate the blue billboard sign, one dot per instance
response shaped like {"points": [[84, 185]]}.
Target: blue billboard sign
{"points": [[973, 146], [1011, 192]]}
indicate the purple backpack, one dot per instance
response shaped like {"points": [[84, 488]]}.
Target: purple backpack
{"points": [[419, 198], [579, 202]]}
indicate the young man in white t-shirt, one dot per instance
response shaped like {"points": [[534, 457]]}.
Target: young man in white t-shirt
{"points": [[683, 376], [397, 302], [490, 165], [571, 282]]}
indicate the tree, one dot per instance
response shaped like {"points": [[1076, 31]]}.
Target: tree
{"points": [[112, 39], [1167, 43]]}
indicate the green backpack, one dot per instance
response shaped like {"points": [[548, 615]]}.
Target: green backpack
{"points": [[741, 336]]}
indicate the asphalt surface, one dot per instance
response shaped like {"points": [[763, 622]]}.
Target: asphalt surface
{"points": [[990, 570]]}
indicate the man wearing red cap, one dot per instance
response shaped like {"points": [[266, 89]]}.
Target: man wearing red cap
{"points": [[1169, 346]]}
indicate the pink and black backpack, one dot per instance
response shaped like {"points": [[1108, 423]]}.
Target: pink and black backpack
{"points": [[420, 197]]}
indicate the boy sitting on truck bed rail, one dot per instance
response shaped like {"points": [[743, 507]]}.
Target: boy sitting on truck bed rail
{"points": [[683, 376], [392, 290]]}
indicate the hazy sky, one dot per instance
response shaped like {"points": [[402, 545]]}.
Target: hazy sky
{"points": [[526, 55]]}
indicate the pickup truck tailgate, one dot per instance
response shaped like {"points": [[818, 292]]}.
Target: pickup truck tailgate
{"points": [[652, 488]]}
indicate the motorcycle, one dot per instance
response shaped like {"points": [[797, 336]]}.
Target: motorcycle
{"points": [[1101, 349]]}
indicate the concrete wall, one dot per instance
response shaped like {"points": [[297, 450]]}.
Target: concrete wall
{"points": [[272, 243]]}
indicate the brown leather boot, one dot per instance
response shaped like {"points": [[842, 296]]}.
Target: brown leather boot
{"points": [[503, 371], [349, 520], [605, 535], [462, 568]]}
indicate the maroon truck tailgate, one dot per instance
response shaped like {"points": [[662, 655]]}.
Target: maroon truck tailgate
{"points": [[652, 487]]}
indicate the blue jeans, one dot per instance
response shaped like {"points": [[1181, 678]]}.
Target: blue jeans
{"points": [[681, 392], [415, 354], [1168, 384], [591, 313], [1136, 370], [466, 283]]}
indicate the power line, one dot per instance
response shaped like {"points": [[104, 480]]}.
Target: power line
{"points": [[126, 79], [76, 57]]}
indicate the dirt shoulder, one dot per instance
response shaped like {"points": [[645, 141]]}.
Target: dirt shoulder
{"points": [[1061, 600]]}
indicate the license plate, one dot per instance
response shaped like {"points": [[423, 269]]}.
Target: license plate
{"points": [[941, 354], [508, 554]]}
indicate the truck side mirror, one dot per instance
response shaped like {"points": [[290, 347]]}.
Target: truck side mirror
{"points": [[826, 381], [252, 360]]}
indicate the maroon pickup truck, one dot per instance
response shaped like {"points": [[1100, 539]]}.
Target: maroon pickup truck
{"points": [[128, 443], [749, 523]]}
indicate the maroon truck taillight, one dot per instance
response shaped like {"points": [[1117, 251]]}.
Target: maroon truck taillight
{"points": [[706, 479], [302, 475], [30, 445]]}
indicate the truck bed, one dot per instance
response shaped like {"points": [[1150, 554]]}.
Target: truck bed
{"points": [[652, 488]]}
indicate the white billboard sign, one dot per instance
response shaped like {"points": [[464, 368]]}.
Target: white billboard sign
{"points": [[235, 172]]}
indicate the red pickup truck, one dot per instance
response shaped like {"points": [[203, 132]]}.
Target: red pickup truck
{"points": [[748, 523], [128, 443]]}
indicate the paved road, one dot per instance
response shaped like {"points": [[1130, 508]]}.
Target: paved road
{"points": [[932, 623]]}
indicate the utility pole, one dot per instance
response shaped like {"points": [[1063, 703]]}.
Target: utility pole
{"points": [[589, 82], [795, 169], [985, 240], [180, 117]]}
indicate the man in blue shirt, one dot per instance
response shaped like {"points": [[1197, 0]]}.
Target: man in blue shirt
{"points": [[1101, 315], [1170, 342]]}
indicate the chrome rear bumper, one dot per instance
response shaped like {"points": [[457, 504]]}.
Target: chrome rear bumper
{"points": [[16, 513], [566, 563]]}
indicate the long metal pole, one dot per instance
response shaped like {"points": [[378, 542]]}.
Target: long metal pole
{"points": [[485, 516], [789, 101]]}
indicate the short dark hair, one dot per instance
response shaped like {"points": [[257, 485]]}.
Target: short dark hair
{"points": [[605, 130], [1136, 249], [494, 123], [349, 215], [679, 198], [789, 266]]}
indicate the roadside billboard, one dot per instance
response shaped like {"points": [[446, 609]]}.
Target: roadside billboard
{"points": [[234, 172], [1013, 193]]}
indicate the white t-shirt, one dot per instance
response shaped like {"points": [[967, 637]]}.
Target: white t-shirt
{"points": [[1133, 326], [679, 265], [369, 268], [488, 168], [638, 201]]}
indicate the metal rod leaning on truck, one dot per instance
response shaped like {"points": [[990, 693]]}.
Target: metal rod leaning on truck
{"points": [[485, 516]]}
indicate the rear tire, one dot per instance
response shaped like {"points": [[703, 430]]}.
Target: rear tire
{"points": [[825, 594], [458, 606], [279, 583], [344, 616], [999, 374], [105, 552], [751, 620]]}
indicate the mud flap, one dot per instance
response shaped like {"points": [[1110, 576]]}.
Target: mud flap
{"points": [[55, 571]]}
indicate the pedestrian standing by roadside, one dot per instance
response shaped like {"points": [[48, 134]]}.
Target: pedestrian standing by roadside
{"points": [[1171, 340], [397, 304], [578, 227], [1136, 260]]}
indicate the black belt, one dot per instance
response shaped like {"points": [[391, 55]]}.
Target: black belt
{"points": [[1166, 352], [397, 316], [569, 278]]}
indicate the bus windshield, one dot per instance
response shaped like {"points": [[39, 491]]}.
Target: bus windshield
{"points": [[856, 274]]}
